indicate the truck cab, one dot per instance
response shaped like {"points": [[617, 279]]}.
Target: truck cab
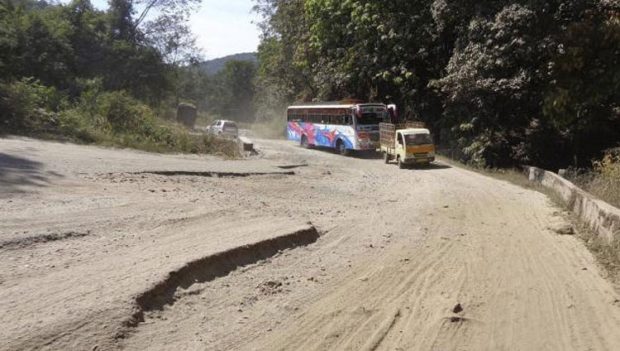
{"points": [[407, 145]]}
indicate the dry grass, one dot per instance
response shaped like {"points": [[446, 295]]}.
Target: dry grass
{"points": [[603, 181], [607, 253]]}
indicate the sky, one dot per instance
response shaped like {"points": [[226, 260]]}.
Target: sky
{"points": [[222, 27]]}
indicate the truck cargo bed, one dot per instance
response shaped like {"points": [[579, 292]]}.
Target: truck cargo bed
{"points": [[387, 131]]}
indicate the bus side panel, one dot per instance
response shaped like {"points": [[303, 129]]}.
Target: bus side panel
{"points": [[328, 135], [294, 131], [321, 134], [346, 134], [297, 129]]}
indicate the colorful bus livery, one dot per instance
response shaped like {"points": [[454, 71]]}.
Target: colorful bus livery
{"points": [[344, 127]]}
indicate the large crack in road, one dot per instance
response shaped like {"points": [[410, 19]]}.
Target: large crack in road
{"points": [[206, 269]]}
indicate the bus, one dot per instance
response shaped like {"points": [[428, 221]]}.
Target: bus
{"points": [[345, 127]]}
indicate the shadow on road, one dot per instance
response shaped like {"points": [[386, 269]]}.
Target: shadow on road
{"points": [[363, 155], [367, 155], [16, 172], [431, 167]]}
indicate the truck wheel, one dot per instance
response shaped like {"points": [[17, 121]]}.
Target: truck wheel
{"points": [[401, 165], [386, 157], [304, 142]]}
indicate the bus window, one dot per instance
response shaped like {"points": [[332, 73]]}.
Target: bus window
{"points": [[292, 117], [347, 120]]}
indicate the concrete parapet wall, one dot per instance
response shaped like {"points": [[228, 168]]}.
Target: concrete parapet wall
{"points": [[602, 217]]}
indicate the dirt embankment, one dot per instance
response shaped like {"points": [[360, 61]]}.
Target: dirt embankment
{"points": [[184, 252]]}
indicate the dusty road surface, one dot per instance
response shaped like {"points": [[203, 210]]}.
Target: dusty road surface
{"points": [[292, 249]]}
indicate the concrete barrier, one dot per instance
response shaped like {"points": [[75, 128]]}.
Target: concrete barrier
{"points": [[603, 218], [246, 144]]}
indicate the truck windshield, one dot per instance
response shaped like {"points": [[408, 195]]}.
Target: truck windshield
{"points": [[418, 139]]}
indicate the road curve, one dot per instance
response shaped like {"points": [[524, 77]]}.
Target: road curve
{"points": [[425, 259]]}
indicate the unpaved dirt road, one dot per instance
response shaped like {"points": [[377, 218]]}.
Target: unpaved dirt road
{"points": [[292, 249]]}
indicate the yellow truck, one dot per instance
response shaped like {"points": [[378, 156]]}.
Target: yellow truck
{"points": [[408, 143]]}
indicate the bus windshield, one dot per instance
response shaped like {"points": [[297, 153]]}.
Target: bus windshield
{"points": [[371, 115], [418, 139]]}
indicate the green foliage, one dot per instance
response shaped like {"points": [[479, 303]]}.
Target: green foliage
{"points": [[194, 86], [490, 85], [232, 91], [285, 70], [229, 94], [583, 96], [70, 71], [27, 104], [109, 118], [122, 112]]}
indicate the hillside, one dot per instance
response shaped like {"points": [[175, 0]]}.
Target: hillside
{"points": [[212, 67]]}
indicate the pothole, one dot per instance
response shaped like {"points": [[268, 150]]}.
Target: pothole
{"points": [[271, 287]]}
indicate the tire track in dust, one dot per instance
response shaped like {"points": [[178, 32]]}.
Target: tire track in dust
{"points": [[328, 326], [376, 339], [415, 283], [517, 282]]}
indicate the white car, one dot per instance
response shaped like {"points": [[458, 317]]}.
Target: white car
{"points": [[224, 128]]}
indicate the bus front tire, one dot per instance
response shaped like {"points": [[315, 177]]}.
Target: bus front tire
{"points": [[304, 142], [401, 164], [342, 148]]}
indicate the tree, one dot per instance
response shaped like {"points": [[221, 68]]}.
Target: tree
{"points": [[491, 84], [233, 91], [87, 36], [121, 23], [582, 99], [9, 40], [194, 85], [284, 72]]}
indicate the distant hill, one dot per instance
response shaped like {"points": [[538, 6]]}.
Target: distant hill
{"points": [[214, 66]]}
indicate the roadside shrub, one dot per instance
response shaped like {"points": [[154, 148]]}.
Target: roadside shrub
{"points": [[26, 104], [110, 118], [74, 125], [124, 113], [606, 181], [603, 180]]}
